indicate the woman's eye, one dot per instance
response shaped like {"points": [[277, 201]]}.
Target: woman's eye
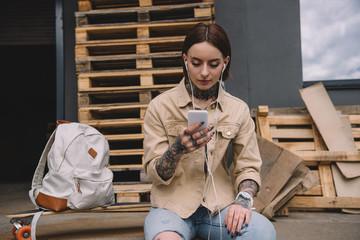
{"points": [[195, 64], [214, 65]]}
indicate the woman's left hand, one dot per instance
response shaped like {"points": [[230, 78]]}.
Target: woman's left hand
{"points": [[237, 215]]}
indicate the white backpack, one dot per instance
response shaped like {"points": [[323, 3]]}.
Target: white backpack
{"points": [[78, 178]]}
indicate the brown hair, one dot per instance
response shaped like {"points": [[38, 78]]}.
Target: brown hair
{"points": [[211, 33]]}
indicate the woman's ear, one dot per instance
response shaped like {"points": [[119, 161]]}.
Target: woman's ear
{"points": [[184, 57], [227, 60]]}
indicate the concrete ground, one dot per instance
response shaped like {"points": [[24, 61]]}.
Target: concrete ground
{"points": [[112, 225]]}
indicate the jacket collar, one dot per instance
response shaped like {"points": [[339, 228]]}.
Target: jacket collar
{"points": [[184, 98]]}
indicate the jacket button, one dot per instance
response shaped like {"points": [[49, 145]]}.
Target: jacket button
{"points": [[228, 133]]}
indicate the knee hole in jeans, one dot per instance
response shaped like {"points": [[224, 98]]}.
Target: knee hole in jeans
{"points": [[168, 235]]}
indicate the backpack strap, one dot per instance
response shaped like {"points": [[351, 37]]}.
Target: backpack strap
{"points": [[34, 224], [39, 172]]}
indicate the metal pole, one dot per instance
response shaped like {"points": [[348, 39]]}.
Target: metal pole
{"points": [[60, 109]]}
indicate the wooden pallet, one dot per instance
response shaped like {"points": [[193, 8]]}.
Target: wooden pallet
{"points": [[155, 14], [129, 61], [132, 192], [125, 137], [295, 130], [112, 98], [129, 80], [131, 32], [137, 46], [127, 52], [87, 5]]}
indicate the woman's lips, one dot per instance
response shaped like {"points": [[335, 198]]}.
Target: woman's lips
{"points": [[204, 81]]}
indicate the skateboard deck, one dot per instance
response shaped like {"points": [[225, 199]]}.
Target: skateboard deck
{"points": [[22, 220], [117, 207]]}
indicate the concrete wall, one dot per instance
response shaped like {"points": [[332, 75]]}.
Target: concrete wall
{"points": [[266, 64]]}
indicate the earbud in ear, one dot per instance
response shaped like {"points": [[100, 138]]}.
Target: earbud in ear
{"points": [[186, 66], [223, 68]]}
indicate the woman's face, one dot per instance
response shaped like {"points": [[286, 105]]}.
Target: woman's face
{"points": [[205, 64]]}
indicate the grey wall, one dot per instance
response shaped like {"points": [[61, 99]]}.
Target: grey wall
{"points": [[266, 64]]}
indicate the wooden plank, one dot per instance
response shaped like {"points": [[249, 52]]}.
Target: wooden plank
{"points": [[324, 202], [112, 4], [144, 3], [121, 137], [292, 133], [297, 146], [156, 44], [329, 124], [103, 112], [290, 120], [263, 123], [325, 174], [141, 79], [126, 152], [129, 72], [202, 12], [129, 56], [159, 13], [101, 123], [344, 110], [128, 61], [110, 107], [134, 188], [111, 99], [330, 156], [326, 179], [120, 208], [131, 32], [84, 5], [125, 166], [88, 115], [120, 90]]}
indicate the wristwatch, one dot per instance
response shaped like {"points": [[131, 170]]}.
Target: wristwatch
{"points": [[246, 196]]}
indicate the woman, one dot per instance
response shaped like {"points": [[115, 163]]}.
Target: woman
{"points": [[192, 180]]}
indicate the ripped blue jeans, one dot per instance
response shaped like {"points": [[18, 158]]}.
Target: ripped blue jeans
{"points": [[200, 225]]}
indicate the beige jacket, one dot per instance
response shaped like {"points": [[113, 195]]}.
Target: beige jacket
{"points": [[186, 190]]}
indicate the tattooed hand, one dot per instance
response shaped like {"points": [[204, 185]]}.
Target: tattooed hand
{"points": [[184, 143], [239, 213]]}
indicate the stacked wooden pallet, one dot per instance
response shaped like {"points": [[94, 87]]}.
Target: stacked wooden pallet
{"points": [[295, 130], [127, 52]]}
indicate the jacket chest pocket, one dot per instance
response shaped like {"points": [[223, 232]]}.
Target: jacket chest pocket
{"points": [[173, 131], [227, 133]]}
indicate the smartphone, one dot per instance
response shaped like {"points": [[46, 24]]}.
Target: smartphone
{"points": [[195, 116]]}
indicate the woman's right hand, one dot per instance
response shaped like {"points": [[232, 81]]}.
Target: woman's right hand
{"points": [[190, 142]]}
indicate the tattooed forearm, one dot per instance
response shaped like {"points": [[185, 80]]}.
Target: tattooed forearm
{"points": [[243, 202], [167, 164], [249, 186]]}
